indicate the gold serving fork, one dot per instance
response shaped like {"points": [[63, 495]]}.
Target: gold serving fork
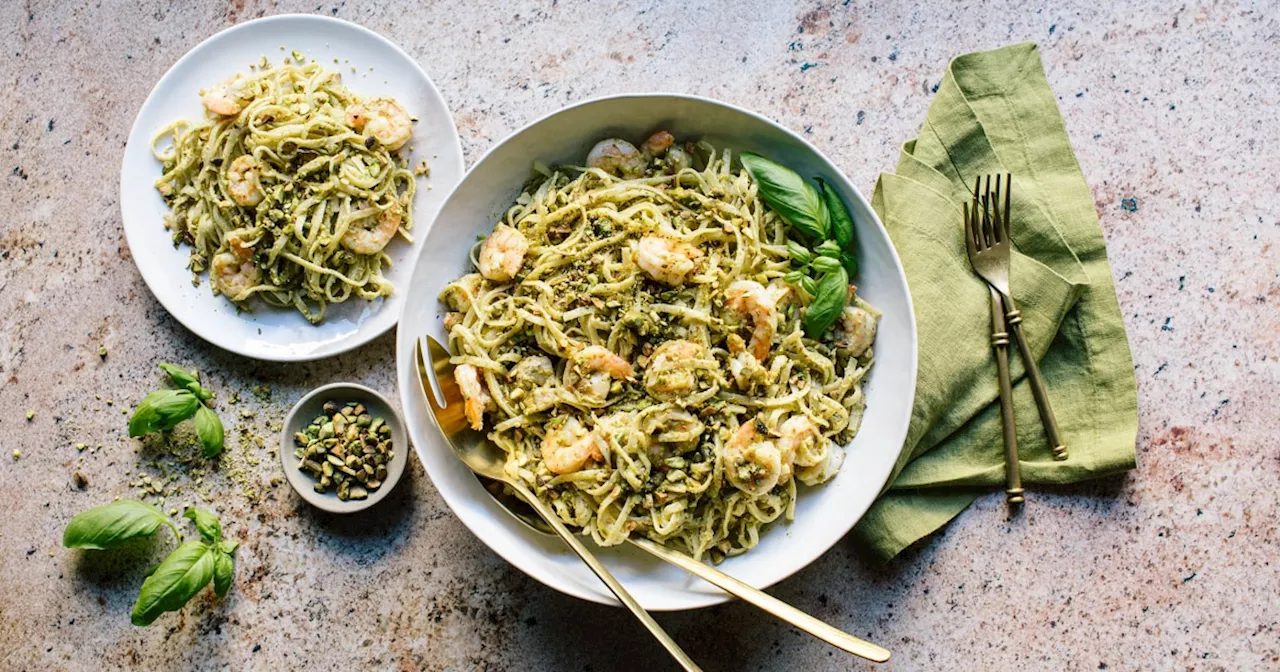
{"points": [[487, 460], [989, 256], [991, 261]]}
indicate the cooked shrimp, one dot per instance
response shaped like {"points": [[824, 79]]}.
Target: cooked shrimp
{"points": [[600, 358], [234, 274], [242, 181], [532, 371], [678, 159], [568, 446], [760, 303], [617, 157], [373, 239], [384, 120], [502, 254], [666, 259], [477, 400], [671, 371], [823, 471], [752, 465], [855, 329], [657, 144], [225, 98], [591, 370], [802, 441]]}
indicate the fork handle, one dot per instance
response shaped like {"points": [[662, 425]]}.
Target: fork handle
{"points": [[1038, 389], [1000, 341], [767, 602], [598, 567]]}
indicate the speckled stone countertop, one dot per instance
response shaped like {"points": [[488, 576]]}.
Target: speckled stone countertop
{"points": [[1175, 117]]}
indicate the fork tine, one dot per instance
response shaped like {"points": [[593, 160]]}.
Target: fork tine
{"points": [[1004, 214], [974, 228], [968, 232], [988, 238], [997, 234]]}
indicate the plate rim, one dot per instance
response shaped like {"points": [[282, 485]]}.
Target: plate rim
{"points": [[361, 336], [406, 378]]}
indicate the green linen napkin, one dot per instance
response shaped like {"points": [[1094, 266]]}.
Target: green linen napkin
{"points": [[994, 112]]}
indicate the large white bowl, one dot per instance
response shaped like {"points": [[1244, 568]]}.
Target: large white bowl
{"points": [[382, 69], [823, 514]]}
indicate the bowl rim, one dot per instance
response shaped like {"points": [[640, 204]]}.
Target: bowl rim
{"points": [[395, 470], [407, 382], [137, 134]]}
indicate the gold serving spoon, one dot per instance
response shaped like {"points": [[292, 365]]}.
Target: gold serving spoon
{"points": [[486, 459]]}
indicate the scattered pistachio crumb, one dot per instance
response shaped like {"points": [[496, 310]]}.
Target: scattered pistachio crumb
{"points": [[173, 512], [110, 402], [102, 351], [30, 415], [81, 446], [17, 453]]}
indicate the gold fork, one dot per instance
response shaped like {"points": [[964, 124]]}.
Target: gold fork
{"points": [[991, 261], [985, 254]]}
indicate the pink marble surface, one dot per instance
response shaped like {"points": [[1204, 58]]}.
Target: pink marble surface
{"points": [[1173, 112]]}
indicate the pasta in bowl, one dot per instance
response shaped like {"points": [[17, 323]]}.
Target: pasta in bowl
{"points": [[452, 244], [634, 338]]}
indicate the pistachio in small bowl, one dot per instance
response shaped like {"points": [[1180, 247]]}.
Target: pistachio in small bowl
{"points": [[343, 447]]}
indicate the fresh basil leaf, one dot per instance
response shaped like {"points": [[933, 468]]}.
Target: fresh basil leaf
{"points": [[809, 285], [161, 410], [206, 523], [185, 572], [783, 190], [850, 263], [841, 225], [228, 546], [800, 255], [828, 302], [188, 380], [180, 376], [209, 430], [224, 568], [828, 248], [793, 276], [113, 524], [825, 264], [841, 219]]}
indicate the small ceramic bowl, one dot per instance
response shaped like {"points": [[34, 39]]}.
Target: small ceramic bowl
{"points": [[312, 405]]}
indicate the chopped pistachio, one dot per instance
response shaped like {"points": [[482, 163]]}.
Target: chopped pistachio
{"points": [[30, 415]]}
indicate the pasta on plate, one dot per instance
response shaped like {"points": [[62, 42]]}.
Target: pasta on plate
{"points": [[290, 188], [631, 342]]}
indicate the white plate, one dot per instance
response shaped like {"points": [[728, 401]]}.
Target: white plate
{"points": [[823, 514], [282, 334]]}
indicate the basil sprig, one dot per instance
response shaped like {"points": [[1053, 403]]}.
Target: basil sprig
{"points": [[182, 574], [820, 218], [162, 410], [783, 190], [113, 524], [828, 302]]}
